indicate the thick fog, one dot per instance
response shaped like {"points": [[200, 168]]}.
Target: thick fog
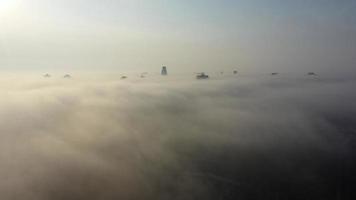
{"points": [[159, 138]]}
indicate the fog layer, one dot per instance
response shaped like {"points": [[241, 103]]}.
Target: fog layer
{"points": [[177, 138]]}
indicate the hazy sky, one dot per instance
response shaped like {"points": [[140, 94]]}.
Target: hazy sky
{"points": [[250, 35]]}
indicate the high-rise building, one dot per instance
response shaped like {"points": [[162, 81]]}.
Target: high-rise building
{"points": [[164, 71]]}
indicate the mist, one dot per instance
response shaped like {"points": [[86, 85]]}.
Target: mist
{"points": [[230, 137]]}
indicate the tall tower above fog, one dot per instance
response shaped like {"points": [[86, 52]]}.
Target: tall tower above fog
{"points": [[164, 71]]}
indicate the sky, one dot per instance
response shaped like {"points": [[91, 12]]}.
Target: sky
{"points": [[187, 36]]}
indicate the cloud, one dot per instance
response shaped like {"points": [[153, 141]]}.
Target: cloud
{"points": [[176, 138]]}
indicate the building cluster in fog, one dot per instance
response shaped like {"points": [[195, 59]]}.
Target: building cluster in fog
{"points": [[164, 72]]}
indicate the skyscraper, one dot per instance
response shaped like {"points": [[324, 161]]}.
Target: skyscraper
{"points": [[164, 71]]}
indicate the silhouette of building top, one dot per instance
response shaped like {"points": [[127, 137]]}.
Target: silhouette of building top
{"points": [[164, 71]]}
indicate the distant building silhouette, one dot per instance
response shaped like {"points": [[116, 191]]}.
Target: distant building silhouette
{"points": [[164, 71], [202, 75]]}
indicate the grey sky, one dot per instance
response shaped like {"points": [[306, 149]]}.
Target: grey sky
{"points": [[288, 36]]}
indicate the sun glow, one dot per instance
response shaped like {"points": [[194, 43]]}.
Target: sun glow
{"points": [[8, 5]]}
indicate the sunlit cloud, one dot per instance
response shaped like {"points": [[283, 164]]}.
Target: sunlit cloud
{"points": [[174, 137]]}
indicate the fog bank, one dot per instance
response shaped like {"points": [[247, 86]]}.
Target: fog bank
{"points": [[177, 138]]}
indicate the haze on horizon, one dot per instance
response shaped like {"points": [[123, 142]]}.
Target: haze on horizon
{"points": [[124, 35], [77, 124]]}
